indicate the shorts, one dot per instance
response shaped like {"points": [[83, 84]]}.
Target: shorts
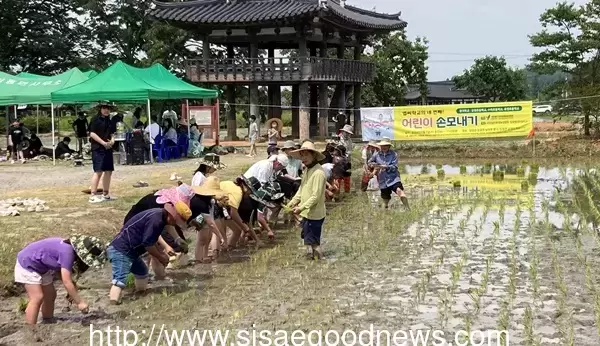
{"points": [[386, 193], [122, 265], [311, 231], [102, 161], [24, 276], [16, 147], [252, 139]]}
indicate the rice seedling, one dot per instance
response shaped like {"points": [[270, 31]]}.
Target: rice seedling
{"points": [[22, 305], [520, 172], [530, 338], [424, 169], [532, 178]]}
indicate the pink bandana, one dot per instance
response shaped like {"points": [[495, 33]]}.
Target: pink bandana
{"points": [[175, 194]]}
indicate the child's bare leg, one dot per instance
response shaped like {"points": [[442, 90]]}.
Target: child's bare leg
{"points": [[236, 232], [48, 301], [317, 249], [403, 198], [35, 295]]}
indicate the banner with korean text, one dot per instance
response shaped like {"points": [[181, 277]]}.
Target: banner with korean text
{"points": [[463, 121]]}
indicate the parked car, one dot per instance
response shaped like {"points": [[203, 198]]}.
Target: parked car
{"points": [[545, 109]]}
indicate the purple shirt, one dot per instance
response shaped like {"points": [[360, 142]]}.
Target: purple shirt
{"points": [[50, 254], [140, 232]]}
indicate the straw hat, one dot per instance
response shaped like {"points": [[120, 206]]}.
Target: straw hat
{"points": [[278, 121], [89, 249], [307, 146], [373, 143], [288, 145], [212, 160], [348, 129], [385, 141], [210, 187], [180, 212]]}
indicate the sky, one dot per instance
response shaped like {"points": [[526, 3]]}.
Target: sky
{"points": [[459, 31]]}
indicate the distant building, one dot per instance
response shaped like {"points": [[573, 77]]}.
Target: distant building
{"points": [[440, 93]]}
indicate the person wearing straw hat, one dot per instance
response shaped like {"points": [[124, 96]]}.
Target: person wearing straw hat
{"points": [[209, 199], [309, 201], [139, 236], [368, 173], [388, 177], [209, 164], [39, 263], [345, 140], [274, 126]]}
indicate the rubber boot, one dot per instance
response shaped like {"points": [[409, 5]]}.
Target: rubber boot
{"points": [[141, 285], [405, 202], [115, 295]]}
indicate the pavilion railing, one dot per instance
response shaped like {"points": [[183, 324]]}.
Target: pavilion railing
{"points": [[279, 70]]}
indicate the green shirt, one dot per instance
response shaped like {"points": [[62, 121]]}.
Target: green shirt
{"points": [[310, 197]]}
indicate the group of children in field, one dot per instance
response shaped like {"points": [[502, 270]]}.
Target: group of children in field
{"points": [[153, 230]]}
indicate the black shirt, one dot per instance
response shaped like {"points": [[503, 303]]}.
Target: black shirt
{"points": [[17, 134], [80, 125], [101, 126], [62, 148], [247, 206], [35, 144], [328, 158], [145, 203], [200, 205]]}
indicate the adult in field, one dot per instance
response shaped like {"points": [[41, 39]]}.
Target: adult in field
{"points": [[386, 162], [101, 134], [368, 151], [265, 170], [309, 201]]}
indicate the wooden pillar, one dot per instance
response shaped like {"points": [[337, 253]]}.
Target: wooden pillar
{"points": [[342, 86], [304, 120], [231, 115], [323, 96], [314, 102], [295, 111], [274, 92], [357, 94], [206, 60], [253, 87]]}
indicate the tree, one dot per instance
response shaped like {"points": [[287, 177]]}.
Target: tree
{"points": [[40, 36], [492, 79], [570, 38], [399, 62]]}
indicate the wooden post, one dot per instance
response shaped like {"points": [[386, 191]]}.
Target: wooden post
{"points": [[304, 115], [230, 94], [206, 60], [357, 94], [342, 86], [253, 87], [271, 88], [295, 111], [323, 96]]}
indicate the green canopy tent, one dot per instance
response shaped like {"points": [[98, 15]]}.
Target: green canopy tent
{"points": [[90, 74], [32, 90], [122, 82], [29, 75]]}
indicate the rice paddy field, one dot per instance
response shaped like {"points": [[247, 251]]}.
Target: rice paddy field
{"points": [[486, 247]]}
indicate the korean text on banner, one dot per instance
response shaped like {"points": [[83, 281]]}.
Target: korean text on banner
{"points": [[377, 123], [460, 121]]}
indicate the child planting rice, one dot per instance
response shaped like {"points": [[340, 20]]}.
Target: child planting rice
{"points": [[386, 163], [138, 236], [39, 264]]}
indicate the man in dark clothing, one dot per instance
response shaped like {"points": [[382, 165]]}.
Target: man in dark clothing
{"points": [[35, 147], [102, 158], [80, 127], [62, 148], [17, 136]]}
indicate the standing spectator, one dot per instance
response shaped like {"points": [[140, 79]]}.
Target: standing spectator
{"points": [[17, 136], [102, 158], [135, 122], [171, 115], [253, 136], [80, 127]]}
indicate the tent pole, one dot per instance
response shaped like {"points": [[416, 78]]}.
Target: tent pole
{"points": [[37, 119], [53, 147], [150, 127], [187, 115], [15, 108]]}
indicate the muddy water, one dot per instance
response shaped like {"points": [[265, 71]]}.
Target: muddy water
{"points": [[438, 283]]}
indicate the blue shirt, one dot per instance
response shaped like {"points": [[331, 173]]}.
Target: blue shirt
{"points": [[140, 232], [388, 176]]}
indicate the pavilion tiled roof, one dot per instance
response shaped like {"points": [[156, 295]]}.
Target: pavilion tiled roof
{"points": [[231, 12], [439, 90]]}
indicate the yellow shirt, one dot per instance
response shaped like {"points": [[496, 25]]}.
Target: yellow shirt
{"points": [[311, 194], [234, 193]]}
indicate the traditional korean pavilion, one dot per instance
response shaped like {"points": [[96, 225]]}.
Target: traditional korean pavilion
{"points": [[308, 27]]}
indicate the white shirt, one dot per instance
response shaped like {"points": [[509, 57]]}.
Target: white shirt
{"points": [[198, 179], [171, 134], [253, 129], [153, 130], [261, 170], [328, 168]]}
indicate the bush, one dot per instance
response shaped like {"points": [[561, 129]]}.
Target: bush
{"points": [[424, 170], [535, 168], [441, 173], [456, 184], [44, 123], [524, 186], [463, 169], [498, 176], [520, 172]]}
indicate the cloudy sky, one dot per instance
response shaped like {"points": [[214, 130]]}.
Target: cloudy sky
{"points": [[461, 30]]}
